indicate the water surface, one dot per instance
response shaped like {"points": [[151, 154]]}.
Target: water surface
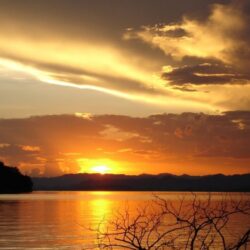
{"points": [[60, 220]]}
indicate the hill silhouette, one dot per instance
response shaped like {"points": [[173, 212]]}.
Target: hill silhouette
{"points": [[12, 181], [145, 182]]}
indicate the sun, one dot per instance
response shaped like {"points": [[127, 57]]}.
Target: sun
{"points": [[100, 169], [98, 165]]}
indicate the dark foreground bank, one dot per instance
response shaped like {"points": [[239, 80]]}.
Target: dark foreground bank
{"points": [[12, 181]]}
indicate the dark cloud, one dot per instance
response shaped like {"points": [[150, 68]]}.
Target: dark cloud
{"points": [[100, 14], [205, 73]]}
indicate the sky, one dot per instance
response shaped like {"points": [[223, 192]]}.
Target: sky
{"points": [[131, 87]]}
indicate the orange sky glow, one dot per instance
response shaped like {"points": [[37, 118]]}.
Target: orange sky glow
{"points": [[115, 87]]}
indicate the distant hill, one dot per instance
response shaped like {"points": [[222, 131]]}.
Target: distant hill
{"points": [[12, 181], [161, 182]]}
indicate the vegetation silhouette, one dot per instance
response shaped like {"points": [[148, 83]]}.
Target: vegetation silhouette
{"points": [[12, 181], [197, 223]]}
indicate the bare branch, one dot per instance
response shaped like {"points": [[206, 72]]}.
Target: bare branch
{"points": [[195, 223]]}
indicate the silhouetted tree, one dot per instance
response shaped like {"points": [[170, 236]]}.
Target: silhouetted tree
{"points": [[196, 224], [12, 181]]}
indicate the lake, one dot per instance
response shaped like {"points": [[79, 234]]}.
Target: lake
{"points": [[61, 220]]}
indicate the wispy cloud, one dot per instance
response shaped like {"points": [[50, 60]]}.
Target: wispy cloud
{"points": [[189, 59]]}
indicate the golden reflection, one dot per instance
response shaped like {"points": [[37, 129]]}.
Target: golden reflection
{"points": [[102, 193], [101, 211]]}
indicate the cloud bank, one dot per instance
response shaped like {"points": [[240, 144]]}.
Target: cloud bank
{"points": [[193, 143]]}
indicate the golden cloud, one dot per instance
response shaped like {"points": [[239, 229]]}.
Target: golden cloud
{"points": [[217, 37], [33, 50]]}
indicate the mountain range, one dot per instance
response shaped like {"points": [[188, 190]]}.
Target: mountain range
{"points": [[144, 182]]}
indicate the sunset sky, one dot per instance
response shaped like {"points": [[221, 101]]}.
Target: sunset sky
{"points": [[122, 86]]}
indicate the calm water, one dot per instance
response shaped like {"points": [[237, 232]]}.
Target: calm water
{"points": [[59, 220]]}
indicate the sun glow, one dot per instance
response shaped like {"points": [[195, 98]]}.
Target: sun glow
{"points": [[100, 165], [100, 169]]}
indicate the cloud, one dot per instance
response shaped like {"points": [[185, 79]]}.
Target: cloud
{"points": [[29, 148], [222, 38], [90, 52], [112, 133], [206, 73], [102, 69], [178, 143], [19, 154], [217, 37], [86, 52]]}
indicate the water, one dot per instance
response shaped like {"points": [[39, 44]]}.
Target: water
{"points": [[61, 220]]}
